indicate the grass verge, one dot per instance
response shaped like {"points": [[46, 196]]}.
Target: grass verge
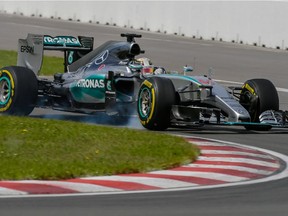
{"points": [[50, 66], [49, 149], [32, 148]]}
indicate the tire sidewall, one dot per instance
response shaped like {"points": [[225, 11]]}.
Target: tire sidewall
{"points": [[148, 87], [264, 97], [8, 77], [162, 96], [264, 94], [23, 90]]}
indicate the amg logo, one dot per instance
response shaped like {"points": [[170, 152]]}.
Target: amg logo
{"points": [[27, 49]]}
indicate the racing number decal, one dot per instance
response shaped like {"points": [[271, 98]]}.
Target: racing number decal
{"points": [[146, 102], [70, 57], [6, 90]]}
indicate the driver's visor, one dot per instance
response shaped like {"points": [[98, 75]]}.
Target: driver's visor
{"points": [[148, 69]]}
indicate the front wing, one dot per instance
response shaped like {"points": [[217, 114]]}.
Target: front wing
{"points": [[199, 116]]}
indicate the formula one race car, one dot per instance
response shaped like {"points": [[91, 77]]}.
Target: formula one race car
{"points": [[110, 79]]}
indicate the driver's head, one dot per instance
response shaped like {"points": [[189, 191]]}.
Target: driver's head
{"points": [[148, 67]]}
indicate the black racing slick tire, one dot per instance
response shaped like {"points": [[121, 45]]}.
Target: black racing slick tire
{"points": [[155, 99], [18, 91], [257, 96]]}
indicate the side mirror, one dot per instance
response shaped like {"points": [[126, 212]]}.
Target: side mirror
{"points": [[187, 69]]}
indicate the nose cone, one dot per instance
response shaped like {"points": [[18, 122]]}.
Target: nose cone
{"points": [[239, 114]]}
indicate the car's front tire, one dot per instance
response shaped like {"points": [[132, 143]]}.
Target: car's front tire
{"points": [[18, 90], [155, 98], [257, 96]]}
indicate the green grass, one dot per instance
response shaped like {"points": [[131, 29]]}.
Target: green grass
{"points": [[50, 66], [48, 149], [32, 148]]}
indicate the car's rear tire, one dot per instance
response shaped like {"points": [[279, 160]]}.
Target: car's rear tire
{"points": [[155, 98], [18, 90], [257, 96]]}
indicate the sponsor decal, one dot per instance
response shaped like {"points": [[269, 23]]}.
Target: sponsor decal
{"points": [[101, 57], [61, 41], [102, 66], [90, 83], [147, 83], [27, 49]]}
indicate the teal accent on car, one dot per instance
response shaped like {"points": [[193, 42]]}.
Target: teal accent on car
{"points": [[70, 57], [246, 124], [5, 94], [90, 89], [108, 85], [67, 41], [143, 115]]}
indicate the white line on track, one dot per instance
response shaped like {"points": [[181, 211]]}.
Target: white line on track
{"points": [[239, 160], [11, 192], [156, 182], [238, 168], [206, 175], [235, 153], [81, 187]]}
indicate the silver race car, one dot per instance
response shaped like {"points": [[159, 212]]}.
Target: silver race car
{"points": [[113, 80]]}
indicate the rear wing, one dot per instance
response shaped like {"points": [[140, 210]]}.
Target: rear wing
{"points": [[31, 49]]}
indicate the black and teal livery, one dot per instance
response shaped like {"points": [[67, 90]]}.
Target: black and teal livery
{"points": [[110, 79]]}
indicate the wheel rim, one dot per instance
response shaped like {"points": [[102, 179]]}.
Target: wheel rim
{"points": [[5, 90], [145, 102]]}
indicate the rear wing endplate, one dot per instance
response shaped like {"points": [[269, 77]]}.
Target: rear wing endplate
{"points": [[31, 49]]}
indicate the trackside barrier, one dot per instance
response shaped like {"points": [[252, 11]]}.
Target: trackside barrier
{"points": [[259, 23]]}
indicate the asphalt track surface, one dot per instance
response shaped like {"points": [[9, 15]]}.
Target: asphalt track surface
{"points": [[230, 62]]}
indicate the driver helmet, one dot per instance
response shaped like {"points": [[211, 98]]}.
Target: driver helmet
{"points": [[148, 67]]}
